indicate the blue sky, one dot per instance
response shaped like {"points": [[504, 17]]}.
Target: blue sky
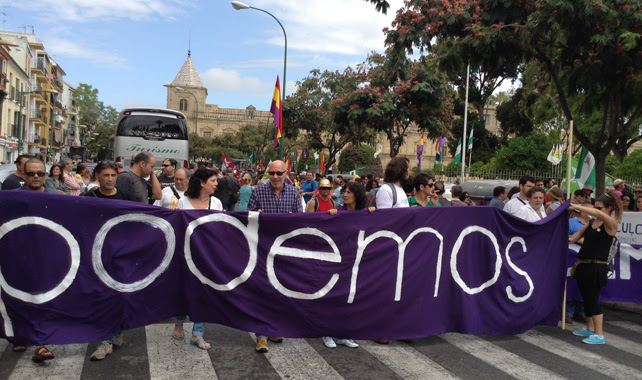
{"points": [[129, 49]]}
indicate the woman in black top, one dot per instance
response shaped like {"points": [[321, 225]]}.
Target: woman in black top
{"points": [[591, 272]]}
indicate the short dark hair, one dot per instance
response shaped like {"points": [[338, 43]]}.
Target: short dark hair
{"points": [[456, 191], [439, 187], [142, 157], [499, 190], [20, 157], [34, 160], [105, 165], [462, 196], [535, 190], [397, 170], [80, 168], [422, 179], [172, 161], [408, 185], [194, 185], [525, 179]]}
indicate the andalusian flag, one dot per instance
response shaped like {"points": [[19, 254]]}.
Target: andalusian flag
{"points": [[470, 139], [277, 111], [420, 151], [252, 157], [458, 153]]}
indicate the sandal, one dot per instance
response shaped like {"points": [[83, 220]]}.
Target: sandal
{"points": [[181, 333], [205, 346], [19, 348], [41, 354]]}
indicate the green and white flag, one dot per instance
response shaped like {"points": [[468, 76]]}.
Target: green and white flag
{"points": [[584, 171], [458, 153], [252, 158], [470, 140]]}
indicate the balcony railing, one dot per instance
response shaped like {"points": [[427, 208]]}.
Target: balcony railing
{"points": [[36, 114]]}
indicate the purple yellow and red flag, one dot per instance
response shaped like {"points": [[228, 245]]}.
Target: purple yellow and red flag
{"points": [[277, 111]]}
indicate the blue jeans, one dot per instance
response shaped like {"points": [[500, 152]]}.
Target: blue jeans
{"points": [[574, 307], [229, 206], [197, 330]]}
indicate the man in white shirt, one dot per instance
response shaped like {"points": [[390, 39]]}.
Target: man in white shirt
{"points": [[397, 172], [172, 193], [534, 209], [525, 184]]}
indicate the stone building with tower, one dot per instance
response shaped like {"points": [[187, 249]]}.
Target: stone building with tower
{"points": [[187, 94]]}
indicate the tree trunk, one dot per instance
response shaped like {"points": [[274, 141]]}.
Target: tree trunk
{"points": [[600, 170]]}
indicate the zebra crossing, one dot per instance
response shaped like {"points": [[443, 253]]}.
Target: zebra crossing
{"points": [[541, 353]]}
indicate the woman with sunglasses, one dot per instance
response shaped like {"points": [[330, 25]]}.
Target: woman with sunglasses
{"points": [[465, 198], [627, 205], [591, 267], [424, 192]]}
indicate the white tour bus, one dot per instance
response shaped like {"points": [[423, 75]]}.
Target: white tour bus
{"points": [[159, 131]]}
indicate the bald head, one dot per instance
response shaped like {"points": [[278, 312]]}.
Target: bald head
{"points": [[277, 165], [277, 173]]}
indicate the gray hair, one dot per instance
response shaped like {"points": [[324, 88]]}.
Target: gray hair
{"points": [[64, 162]]}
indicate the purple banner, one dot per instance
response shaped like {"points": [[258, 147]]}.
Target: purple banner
{"points": [[624, 285], [77, 269]]}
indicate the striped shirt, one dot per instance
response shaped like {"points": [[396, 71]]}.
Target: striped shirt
{"points": [[263, 198]]}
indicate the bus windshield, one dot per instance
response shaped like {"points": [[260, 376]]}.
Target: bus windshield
{"points": [[152, 127]]}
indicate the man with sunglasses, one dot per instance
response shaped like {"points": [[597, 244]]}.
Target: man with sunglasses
{"points": [[322, 202], [35, 174], [166, 179], [274, 197]]}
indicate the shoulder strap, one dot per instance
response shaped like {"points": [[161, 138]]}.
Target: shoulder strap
{"points": [[175, 192], [332, 201], [316, 204], [394, 193]]}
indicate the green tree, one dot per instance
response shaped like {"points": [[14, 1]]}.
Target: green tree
{"points": [[589, 51], [512, 115], [355, 157], [526, 154], [485, 144], [631, 166]]}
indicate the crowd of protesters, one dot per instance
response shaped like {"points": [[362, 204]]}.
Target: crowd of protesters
{"points": [[593, 222]]}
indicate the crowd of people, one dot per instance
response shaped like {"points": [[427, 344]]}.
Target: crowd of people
{"points": [[593, 221]]}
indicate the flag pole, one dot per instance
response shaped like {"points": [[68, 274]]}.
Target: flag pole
{"points": [[568, 196], [464, 141]]}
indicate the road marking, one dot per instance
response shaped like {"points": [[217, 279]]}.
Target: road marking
{"points": [[580, 356], [406, 361], [296, 359], [499, 358], [175, 359], [626, 325], [619, 342], [68, 363]]}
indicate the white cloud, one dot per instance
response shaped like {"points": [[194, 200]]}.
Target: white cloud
{"points": [[89, 11], [71, 49], [135, 102], [221, 79], [332, 26]]}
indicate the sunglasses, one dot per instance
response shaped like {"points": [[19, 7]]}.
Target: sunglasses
{"points": [[626, 200], [598, 208], [276, 173], [165, 165], [32, 174], [430, 184], [325, 188]]}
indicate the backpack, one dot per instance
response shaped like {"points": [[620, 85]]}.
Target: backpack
{"points": [[373, 202], [316, 204]]}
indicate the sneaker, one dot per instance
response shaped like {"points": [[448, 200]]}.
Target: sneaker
{"points": [[103, 350], [347, 342], [262, 344], [329, 342], [585, 332], [119, 339], [275, 339], [594, 339]]}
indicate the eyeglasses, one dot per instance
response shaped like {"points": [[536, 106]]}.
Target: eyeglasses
{"points": [[598, 208], [276, 173], [165, 165], [32, 174], [467, 196], [325, 188], [626, 200]]}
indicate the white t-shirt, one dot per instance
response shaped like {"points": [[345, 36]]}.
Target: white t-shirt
{"points": [[529, 214], [166, 200], [385, 199], [184, 204], [514, 204]]}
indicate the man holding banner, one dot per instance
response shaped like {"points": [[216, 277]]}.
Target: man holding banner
{"points": [[274, 197]]}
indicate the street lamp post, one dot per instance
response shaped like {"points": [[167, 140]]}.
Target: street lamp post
{"points": [[239, 6], [22, 94], [196, 100]]}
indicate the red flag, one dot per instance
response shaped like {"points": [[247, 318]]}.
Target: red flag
{"points": [[261, 166], [227, 163], [277, 111], [288, 163], [322, 162]]}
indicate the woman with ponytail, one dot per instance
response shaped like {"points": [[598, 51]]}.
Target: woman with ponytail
{"points": [[591, 267]]}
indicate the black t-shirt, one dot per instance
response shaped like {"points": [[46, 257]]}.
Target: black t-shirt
{"points": [[12, 182], [97, 194], [165, 181]]}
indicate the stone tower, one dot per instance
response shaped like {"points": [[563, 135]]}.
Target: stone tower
{"points": [[188, 80]]}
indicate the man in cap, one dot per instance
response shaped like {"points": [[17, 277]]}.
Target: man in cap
{"points": [[322, 202], [588, 191]]}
